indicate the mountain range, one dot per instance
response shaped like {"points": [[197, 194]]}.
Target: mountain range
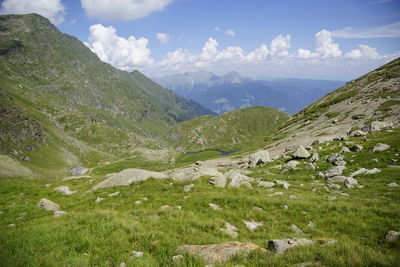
{"points": [[233, 91]]}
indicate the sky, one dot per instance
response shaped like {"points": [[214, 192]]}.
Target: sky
{"points": [[263, 39]]}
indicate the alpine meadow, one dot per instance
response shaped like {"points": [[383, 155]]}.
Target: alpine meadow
{"points": [[293, 162]]}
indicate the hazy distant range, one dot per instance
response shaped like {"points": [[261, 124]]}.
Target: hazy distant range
{"points": [[233, 91]]}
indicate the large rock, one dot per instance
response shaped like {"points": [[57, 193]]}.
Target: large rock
{"points": [[350, 182], [252, 225], [377, 126], [259, 158], [128, 176], [265, 184], [230, 230], [392, 236], [380, 147], [337, 179], [64, 190], [357, 133], [46, 204], [238, 179], [335, 171], [219, 253], [218, 180], [281, 245], [301, 153], [79, 170]]}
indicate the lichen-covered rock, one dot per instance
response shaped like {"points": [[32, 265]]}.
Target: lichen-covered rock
{"points": [[259, 158], [301, 153], [46, 204], [219, 253], [279, 246]]}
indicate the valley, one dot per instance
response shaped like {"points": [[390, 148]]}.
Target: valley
{"points": [[104, 167]]}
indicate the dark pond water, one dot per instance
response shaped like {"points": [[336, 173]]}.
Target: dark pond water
{"points": [[223, 153]]}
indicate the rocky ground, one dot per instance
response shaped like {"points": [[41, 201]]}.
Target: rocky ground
{"points": [[331, 203]]}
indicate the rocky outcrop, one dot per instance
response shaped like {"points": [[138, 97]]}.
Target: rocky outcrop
{"points": [[49, 205], [259, 158], [279, 246], [128, 176], [64, 190], [377, 126], [219, 253]]}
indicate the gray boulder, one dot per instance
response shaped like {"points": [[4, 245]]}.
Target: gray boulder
{"points": [[128, 176], [238, 179], [310, 166], [350, 182], [265, 184], [377, 126], [392, 236], [357, 133], [279, 246], [345, 150], [296, 229], [392, 185], [315, 157], [337, 179], [252, 225], [301, 153], [79, 170], [380, 147], [356, 148], [230, 230], [64, 190], [188, 187], [335, 171], [49, 205], [259, 158], [218, 180], [219, 253]]}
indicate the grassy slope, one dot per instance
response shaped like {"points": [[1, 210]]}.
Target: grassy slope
{"points": [[84, 109], [236, 130], [105, 233]]}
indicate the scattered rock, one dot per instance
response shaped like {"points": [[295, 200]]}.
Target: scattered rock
{"points": [[392, 236], [334, 186], [291, 164], [340, 193], [284, 183], [315, 157], [279, 246], [259, 158], [334, 157], [292, 197], [310, 166], [59, 213], [128, 176], [215, 206], [167, 207], [188, 187], [296, 229], [345, 149], [356, 148], [252, 225], [392, 185], [350, 182], [275, 194], [334, 171], [219, 253], [137, 254], [49, 205], [138, 202], [310, 225], [357, 133], [259, 209], [238, 179], [301, 153], [377, 126], [199, 163], [114, 194], [218, 180], [11, 225], [330, 198], [337, 179], [266, 184], [64, 190], [99, 199], [230, 230], [177, 258], [80, 170], [380, 147]]}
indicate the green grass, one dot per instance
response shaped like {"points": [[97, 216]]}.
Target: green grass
{"points": [[105, 233], [332, 114]]}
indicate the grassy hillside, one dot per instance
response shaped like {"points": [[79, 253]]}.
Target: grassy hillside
{"points": [[59, 100], [106, 233], [236, 130]]}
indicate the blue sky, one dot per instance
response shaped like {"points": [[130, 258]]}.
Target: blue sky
{"points": [[339, 39]]}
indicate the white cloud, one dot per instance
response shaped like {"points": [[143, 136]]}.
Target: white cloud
{"points": [[386, 31], [259, 54], [221, 100], [163, 38], [217, 29], [326, 48], [280, 45], [125, 54], [122, 9], [306, 54], [230, 32], [363, 51], [51, 9]]}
